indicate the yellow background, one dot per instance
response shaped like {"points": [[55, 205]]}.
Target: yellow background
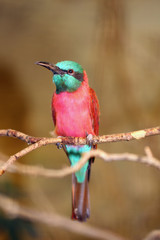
{"points": [[118, 44]]}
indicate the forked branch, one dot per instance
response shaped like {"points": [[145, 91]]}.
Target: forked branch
{"points": [[39, 142], [52, 173]]}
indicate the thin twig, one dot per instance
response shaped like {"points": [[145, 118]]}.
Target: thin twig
{"points": [[148, 151], [52, 173], [13, 208]]}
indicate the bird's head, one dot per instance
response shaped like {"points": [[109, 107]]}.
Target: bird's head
{"points": [[67, 75]]}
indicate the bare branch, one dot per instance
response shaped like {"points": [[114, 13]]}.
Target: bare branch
{"points": [[13, 208], [22, 136], [40, 171], [9, 206], [38, 142], [26, 150], [82, 141]]}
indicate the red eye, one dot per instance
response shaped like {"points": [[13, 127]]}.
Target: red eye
{"points": [[70, 71]]}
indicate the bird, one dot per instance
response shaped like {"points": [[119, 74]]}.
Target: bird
{"points": [[75, 113]]}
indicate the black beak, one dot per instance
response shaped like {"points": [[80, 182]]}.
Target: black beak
{"points": [[52, 67]]}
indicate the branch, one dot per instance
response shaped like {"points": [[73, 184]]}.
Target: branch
{"points": [[39, 142], [40, 171], [13, 208], [82, 141]]}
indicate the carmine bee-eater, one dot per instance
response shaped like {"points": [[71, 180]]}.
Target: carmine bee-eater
{"points": [[75, 112]]}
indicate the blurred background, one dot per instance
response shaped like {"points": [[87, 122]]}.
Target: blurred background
{"points": [[118, 44]]}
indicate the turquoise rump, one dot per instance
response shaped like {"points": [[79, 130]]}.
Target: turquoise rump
{"points": [[75, 112], [74, 154]]}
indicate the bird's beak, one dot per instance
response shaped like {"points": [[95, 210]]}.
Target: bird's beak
{"points": [[52, 67]]}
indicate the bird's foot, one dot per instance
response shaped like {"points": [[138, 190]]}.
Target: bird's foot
{"points": [[53, 134], [90, 140], [59, 145]]}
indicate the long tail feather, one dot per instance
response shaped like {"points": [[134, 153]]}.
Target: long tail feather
{"points": [[80, 199]]}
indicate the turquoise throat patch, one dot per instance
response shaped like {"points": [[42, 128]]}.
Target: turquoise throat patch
{"points": [[75, 153]]}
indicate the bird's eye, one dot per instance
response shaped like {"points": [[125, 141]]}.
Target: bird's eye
{"points": [[70, 71]]}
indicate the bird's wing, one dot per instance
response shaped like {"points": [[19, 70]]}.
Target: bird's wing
{"points": [[94, 111], [53, 111]]}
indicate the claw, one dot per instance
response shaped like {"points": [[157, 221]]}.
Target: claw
{"points": [[59, 145]]}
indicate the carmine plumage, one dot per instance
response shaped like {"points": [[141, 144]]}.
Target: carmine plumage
{"points": [[75, 112]]}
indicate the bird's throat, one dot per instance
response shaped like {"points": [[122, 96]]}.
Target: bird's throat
{"points": [[65, 83]]}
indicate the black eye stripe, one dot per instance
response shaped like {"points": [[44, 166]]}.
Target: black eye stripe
{"points": [[77, 75]]}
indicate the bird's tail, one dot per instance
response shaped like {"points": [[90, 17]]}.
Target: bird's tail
{"points": [[80, 199]]}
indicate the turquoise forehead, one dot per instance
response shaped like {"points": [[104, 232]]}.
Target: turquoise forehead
{"points": [[66, 65]]}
